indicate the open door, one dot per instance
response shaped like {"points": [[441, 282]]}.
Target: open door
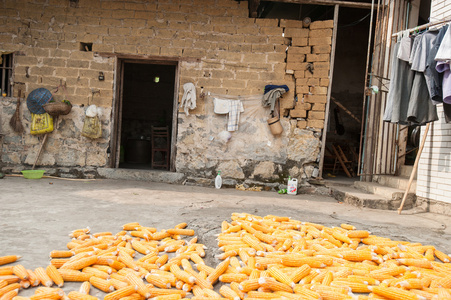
{"points": [[146, 103]]}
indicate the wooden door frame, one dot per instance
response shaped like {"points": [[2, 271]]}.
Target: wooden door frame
{"points": [[118, 98]]}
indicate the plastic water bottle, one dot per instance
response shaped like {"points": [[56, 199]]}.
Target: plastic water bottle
{"points": [[218, 180]]}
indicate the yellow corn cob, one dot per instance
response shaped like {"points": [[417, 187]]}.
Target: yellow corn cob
{"points": [[205, 268], [118, 284], [439, 254], [347, 226], [249, 285], [56, 277], [277, 274], [122, 292], [261, 295], [358, 234], [74, 295], [357, 255], [297, 260], [160, 235], [429, 254], [58, 262], [393, 293], [73, 275], [219, 270], [230, 253], [8, 259], [24, 284], [61, 254], [443, 294], [168, 297], [131, 226], [10, 278], [211, 293], [182, 275], [96, 272], [253, 242], [8, 288], [117, 265], [272, 284], [20, 272], [162, 260], [158, 281], [10, 295], [228, 293], [138, 246], [355, 287], [47, 293], [234, 277], [328, 278], [102, 284], [421, 263], [85, 287], [128, 261], [445, 282], [80, 263], [235, 286], [363, 279], [3, 283], [154, 292], [181, 231], [41, 274], [307, 279], [6, 270], [300, 273]]}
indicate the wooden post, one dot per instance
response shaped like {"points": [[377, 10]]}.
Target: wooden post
{"points": [[415, 167], [329, 90], [40, 150]]}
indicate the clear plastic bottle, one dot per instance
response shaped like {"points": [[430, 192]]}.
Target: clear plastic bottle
{"points": [[218, 180]]}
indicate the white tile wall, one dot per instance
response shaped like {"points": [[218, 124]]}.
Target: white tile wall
{"points": [[434, 169]]}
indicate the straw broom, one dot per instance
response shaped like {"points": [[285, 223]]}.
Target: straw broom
{"points": [[15, 121]]}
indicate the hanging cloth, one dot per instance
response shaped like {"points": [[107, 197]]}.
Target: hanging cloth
{"points": [[233, 108], [189, 97], [401, 80], [433, 77], [421, 110], [444, 52]]}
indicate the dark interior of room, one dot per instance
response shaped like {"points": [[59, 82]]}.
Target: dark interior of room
{"points": [[148, 100]]}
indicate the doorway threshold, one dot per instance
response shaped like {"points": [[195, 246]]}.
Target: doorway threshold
{"points": [[142, 175]]}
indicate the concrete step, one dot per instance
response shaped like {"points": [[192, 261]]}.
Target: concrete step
{"points": [[145, 175], [405, 171], [360, 198], [385, 191], [396, 182]]}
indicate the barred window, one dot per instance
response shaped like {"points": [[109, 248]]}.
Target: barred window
{"points": [[6, 71]]}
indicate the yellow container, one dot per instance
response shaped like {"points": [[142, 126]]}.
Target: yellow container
{"points": [[40, 124]]}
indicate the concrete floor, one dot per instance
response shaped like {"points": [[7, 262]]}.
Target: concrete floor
{"points": [[36, 216]]}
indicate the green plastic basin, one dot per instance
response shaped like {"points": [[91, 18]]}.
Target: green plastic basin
{"points": [[33, 174]]}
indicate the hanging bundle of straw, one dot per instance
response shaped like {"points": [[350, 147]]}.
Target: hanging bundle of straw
{"points": [[15, 121]]}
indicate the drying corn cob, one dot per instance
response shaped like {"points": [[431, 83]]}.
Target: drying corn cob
{"points": [[120, 293], [9, 287], [8, 259], [74, 295], [54, 275], [10, 295]]}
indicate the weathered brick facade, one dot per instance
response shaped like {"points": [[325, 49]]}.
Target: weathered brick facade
{"points": [[218, 48]]}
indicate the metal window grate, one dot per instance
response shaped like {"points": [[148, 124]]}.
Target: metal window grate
{"points": [[6, 71]]}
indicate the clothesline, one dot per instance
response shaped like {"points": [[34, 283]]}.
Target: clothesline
{"points": [[421, 27]]}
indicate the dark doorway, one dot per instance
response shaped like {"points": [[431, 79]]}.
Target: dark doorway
{"points": [[147, 103]]}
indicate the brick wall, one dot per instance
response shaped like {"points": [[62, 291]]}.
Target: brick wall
{"points": [[219, 47], [435, 163]]}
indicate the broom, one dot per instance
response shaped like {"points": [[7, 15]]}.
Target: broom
{"points": [[15, 122]]}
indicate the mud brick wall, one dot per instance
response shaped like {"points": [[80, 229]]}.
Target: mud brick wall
{"points": [[308, 58], [217, 46]]}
